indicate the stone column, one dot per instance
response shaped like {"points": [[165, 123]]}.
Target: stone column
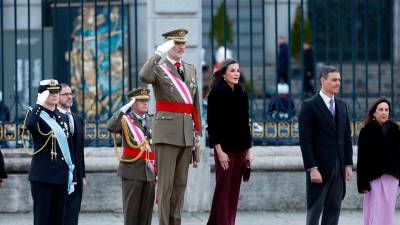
{"points": [[163, 16]]}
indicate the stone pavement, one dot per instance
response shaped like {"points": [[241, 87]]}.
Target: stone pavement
{"points": [[243, 218]]}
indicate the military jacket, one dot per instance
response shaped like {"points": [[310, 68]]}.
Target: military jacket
{"points": [[44, 167], [171, 127], [138, 170]]}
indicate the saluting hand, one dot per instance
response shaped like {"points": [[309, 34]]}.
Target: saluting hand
{"points": [[127, 106], [42, 97], [315, 176], [164, 48]]}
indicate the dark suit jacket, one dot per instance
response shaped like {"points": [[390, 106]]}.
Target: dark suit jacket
{"points": [[78, 146], [324, 140], [3, 173], [43, 168]]}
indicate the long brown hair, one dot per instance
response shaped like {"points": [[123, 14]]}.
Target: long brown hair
{"points": [[371, 111], [218, 75]]}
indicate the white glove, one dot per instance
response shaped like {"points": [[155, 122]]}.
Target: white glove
{"points": [[42, 97], [164, 48], [127, 106]]}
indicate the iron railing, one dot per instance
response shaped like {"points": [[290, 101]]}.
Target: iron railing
{"points": [[355, 36], [95, 47], [85, 44]]}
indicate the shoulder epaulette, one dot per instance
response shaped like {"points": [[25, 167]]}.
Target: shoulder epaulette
{"points": [[187, 63]]}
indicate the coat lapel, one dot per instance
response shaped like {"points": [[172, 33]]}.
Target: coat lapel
{"points": [[188, 76], [173, 69], [76, 124], [137, 122], [340, 115], [148, 123], [325, 111], [190, 81]]}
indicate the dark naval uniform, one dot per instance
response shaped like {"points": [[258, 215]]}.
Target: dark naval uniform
{"points": [[173, 128], [48, 172], [135, 169]]}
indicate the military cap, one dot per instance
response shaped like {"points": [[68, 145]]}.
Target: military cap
{"points": [[139, 93], [50, 85], [176, 35]]}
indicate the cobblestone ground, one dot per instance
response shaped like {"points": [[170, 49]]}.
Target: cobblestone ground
{"points": [[243, 218]]}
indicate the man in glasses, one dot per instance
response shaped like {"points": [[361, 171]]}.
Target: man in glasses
{"points": [[76, 125]]}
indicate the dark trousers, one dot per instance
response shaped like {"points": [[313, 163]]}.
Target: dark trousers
{"points": [[74, 205], [329, 202], [227, 188], [49, 202], [138, 201], [283, 77]]}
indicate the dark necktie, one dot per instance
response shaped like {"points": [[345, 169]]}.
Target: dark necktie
{"points": [[180, 70]]}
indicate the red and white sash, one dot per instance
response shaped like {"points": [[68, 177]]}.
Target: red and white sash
{"points": [[137, 133], [139, 137], [179, 85]]}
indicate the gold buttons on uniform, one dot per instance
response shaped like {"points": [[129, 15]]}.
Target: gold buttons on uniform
{"points": [[62, 158]]}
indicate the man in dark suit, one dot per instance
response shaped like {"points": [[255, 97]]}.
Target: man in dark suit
{"points": [[283, 60], [3, 174], [76, 125], [325, 141]]}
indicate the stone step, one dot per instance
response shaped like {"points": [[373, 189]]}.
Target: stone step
{"points": [[277, 182]]}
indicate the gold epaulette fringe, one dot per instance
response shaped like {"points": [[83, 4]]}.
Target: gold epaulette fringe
{"points": [[49, 135], [144, 146]]}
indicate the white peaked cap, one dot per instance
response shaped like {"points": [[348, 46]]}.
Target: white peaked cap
{"points": [[219, 56], [283, 88]]}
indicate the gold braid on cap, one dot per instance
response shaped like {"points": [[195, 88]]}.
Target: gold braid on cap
{"points": [[143, 146]]}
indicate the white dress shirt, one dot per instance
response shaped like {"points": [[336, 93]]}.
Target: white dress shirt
{"points": [[327, 99], [70, 117]]}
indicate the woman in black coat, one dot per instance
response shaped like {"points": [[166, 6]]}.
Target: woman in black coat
{"points": [[229, 135], [378, 165]]}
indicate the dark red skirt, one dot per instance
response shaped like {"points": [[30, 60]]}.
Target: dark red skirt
{"points": [[227, 189]]}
